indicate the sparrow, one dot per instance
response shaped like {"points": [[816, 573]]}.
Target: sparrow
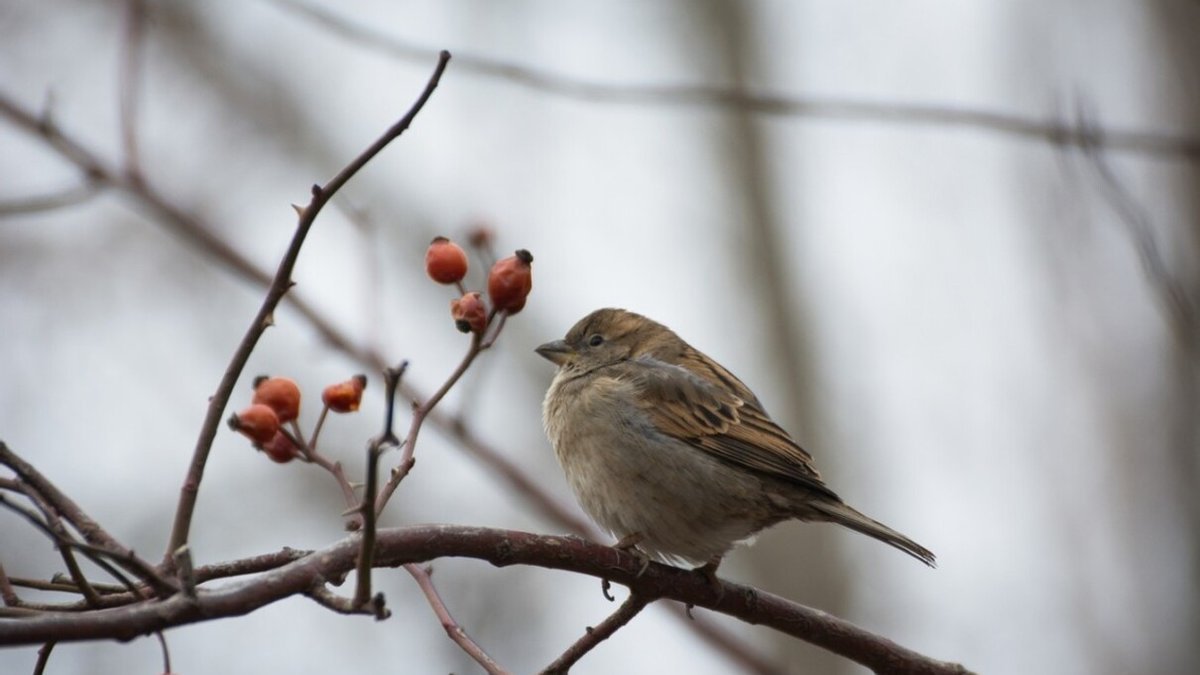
{"points": [[674, 455]]}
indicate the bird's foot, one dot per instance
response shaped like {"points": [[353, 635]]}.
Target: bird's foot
{"points": [[709, 571], [628, 544]]}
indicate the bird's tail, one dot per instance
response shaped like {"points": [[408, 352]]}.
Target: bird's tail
{"points": [[840, 513]]}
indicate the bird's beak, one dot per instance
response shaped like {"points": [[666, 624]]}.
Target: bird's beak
{"points": [[558, 352]]}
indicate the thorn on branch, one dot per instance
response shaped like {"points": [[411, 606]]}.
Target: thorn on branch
{"points": [[185, 570], [593, 636]]}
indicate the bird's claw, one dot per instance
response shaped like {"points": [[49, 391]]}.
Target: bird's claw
{"points": [[709, 572]]}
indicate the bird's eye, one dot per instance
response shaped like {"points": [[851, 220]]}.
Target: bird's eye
{"points": [[596, 340]]}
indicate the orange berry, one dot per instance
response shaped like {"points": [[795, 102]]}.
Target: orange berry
{"points": [[469, 313], [281, 393], [445, 261], [510, 281], [259, 423], [345, 397], [281, 448]]}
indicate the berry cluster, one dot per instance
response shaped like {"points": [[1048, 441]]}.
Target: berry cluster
{"points": [[276, 403], [508, 282]]}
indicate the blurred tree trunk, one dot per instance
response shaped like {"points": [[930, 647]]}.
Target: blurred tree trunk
{"points": [[811, 571], [1176, 32]]}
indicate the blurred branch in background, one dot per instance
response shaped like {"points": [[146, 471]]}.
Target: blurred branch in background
{"points": [[1177, 299], [129, 84], [738, 97]]}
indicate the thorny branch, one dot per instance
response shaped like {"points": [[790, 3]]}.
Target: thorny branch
{"points": [[280, 284]]}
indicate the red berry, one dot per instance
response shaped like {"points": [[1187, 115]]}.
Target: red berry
{"points": [[259, 423], [510, 281], [281, 448], [469, 313], [445, 261], [282, 394], [345, 397]]}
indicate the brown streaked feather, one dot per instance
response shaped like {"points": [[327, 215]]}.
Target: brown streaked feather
{"points": [[706, 406]]}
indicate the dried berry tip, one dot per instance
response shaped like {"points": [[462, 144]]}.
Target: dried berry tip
{"points": [[469, 313], [344, 397], [524, 256], [258, 422]]}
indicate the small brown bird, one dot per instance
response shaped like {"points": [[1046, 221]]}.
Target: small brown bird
{"points": [[671, 453]]}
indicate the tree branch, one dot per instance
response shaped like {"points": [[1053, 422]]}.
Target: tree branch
{"points": [[398, 546], [1051, 131]]}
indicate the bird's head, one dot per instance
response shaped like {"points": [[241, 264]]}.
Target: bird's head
{"points": [[608, 336]]}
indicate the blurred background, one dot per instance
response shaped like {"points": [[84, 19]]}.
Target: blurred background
{"points": [[952, 246]]}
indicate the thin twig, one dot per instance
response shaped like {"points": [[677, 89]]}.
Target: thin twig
{"points": [[592, 637], [99, 542], [765, 103], [330, 600], [424, 578], [386, 439], [166, 653], [92, 532], [409, 444], [317, 429], [7, 593], [310, 454], [43, 658], [62, 584], [61, 534], [99, 556], [96, 555], [278, 288]]}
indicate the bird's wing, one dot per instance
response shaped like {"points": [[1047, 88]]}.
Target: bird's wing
{"points": [[714, 412]]}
